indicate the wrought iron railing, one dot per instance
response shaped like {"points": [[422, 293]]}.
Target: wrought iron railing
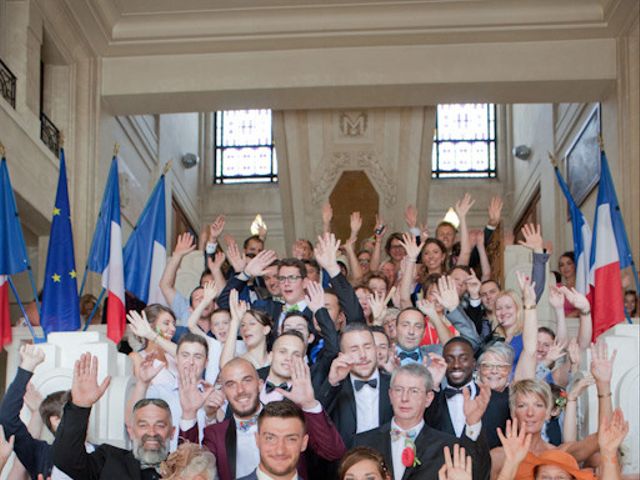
{"points": [[49, 134], [7, 84]]}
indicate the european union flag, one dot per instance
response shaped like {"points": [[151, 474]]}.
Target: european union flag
{"points": [[13, 251], [60, 305]]}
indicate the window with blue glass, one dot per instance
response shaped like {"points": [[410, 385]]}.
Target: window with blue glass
{"points": [[244, 149], [464, 144]]}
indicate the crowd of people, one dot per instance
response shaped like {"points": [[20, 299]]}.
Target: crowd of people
{"points": [[398, 357]]}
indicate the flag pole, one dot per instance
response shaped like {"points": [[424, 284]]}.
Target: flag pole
{"points": [[26, 317], [95, 309], [84, 280], [33, 287]]}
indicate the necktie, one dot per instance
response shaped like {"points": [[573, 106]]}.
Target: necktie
{"points": [[316, 350], [397, 434], [291, 308], [245, 425], [270, 387], [452, 392], [413, 355], [373, 383]]}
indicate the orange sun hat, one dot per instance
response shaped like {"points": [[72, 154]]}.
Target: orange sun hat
{"points": [[558, 458]]}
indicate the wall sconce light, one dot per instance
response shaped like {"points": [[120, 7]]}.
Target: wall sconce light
{"points": [[452, 217], [257, 225], [522, 152], [189, 160]]}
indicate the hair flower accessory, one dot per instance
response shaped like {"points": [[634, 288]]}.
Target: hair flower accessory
{"points": [[561, 401]]}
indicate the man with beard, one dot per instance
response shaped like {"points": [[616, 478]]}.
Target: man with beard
{"points": [[233, 441], [281, 438], [150, 431], [447, 412]]}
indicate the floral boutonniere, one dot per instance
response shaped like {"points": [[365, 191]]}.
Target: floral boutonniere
{"points": [[409, 458]]}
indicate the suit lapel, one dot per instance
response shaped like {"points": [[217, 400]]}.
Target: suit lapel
{"points": [[447, 423], [351, 401], [231, 445], [384, 402], [422, 444]]}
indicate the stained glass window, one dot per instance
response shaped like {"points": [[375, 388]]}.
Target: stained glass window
{"points": [[464, 144], [244, 151]]}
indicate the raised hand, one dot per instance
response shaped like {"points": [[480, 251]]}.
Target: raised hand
{"points": [[193, 392], [410, 246], [556, 351], [577, 299], [460, 467], [573, 350], [32, 398], [214, 403], [237, 307], [532, 238], [236, 258], [258, 264], [495, 211], [474, 408], [579, 386], [355, 223], [217, 261], [601, 364], [556, 297], [437, 367], [30, 357], [393, 362], [447, 295], [528, 289], [427, 308], [463, 205], [340, 368], [327, 215], [145, 369], [140, 326], [612, 432], [326, 251], [473, 285], [315, 296], [215, 229], [411, 216], [378, 303], [184, 245], [209, 293], [85, 390], [301, 388], [515, 443]]}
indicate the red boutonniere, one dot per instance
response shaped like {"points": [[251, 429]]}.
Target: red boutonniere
{"points": [[409, 455]]}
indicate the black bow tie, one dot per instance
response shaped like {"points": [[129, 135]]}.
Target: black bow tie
{"points": [[270, 387], [452, 392], [415, 356], [373, 383]]}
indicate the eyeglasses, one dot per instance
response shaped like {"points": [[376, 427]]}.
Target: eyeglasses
{"points": [[413, 391], [396, 247], [289, 278], [495, 366]]}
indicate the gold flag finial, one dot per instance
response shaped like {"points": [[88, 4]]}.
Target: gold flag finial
{"points": [[61, 139], [116, 149], [167, 167], [2, 151], [601, 142], [553, 160]]}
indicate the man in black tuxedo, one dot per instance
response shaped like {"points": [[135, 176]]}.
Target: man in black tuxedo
{"points": [[411, 393], [355, 393], [447, 412], [150, 431]]}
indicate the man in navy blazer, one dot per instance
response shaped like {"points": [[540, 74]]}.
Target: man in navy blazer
{"points": [[281, 439]]}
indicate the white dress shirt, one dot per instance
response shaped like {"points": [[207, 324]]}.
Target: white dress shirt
{"points": [[247, 453], [263, 476], [456, 413], [367, 404], [398, 446]]}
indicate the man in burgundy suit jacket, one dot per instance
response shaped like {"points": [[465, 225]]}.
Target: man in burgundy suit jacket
{"points": [[233, 441]]}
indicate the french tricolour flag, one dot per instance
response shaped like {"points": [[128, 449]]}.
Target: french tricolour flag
{"points": [[145, 253], [105, 255], [610, 253], [581, 237]]}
